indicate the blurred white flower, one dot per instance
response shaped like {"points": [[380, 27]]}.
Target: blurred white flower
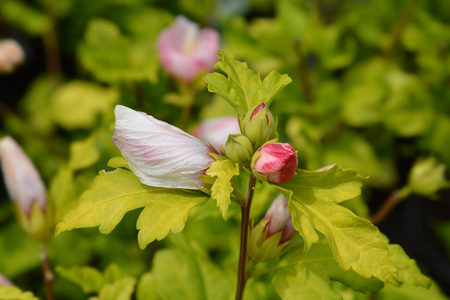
{"points": [[11, 55]]}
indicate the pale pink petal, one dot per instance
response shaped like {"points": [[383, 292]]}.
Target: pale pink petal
{"points": [[216, 131], [23, 182], [158, 153], [4, 281]]}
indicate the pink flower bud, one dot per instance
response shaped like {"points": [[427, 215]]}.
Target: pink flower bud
{"points": [[280, 219], [11, 55], [22, 180], [185, 51], [158, 153], [216, 131], [4, 281], [277, 161]]}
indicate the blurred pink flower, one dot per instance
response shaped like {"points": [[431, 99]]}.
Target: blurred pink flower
{"points": [[277, 161], [22, 180], [11, 55], [185, 51], [158, 153], [280, 219], [216, 131], [4, 281]]}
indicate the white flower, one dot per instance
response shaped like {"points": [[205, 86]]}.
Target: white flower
{"points": [[158, 153], [22, 180]]}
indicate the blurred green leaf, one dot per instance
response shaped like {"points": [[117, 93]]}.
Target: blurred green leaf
{"points": [[224, 170], [88, 278], [115, 193], [62, 192], [119, 290], [78, 104], [24, 17], [83, 153], [114, 58], [407, 270], [426, 177], [146, 288], [14, 293]]}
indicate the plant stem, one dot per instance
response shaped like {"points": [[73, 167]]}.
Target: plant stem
{"points": [[400, 28], [52, 52], [388, 205], [245, 209], [46, 272]]}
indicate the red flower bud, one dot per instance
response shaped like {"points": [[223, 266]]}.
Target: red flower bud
{"points": [[280, 219], [276, 161]]}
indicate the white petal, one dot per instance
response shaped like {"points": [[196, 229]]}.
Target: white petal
{"points": [[158, 153]]}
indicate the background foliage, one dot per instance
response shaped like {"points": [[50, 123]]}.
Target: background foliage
{"points": [[370, 91]]}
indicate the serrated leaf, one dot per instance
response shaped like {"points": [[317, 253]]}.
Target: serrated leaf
{"points": [[88, 278], [115, 193], [320, 257], [14, 293], [222, 188], [118, 162], [300, 282], [407, 270], [119, 290], [354, 241], [241, 86], [83, 154], [146, 288], [165, 214]]}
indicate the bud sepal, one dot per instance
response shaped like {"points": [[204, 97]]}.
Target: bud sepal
{"points": [[259, 125], [239, 149]]}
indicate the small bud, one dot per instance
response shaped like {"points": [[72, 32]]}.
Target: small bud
{"points": [[259, 125], [11, 55], [269, 239], [280, 219], [275, 162], [26, 189], [239, 148]]}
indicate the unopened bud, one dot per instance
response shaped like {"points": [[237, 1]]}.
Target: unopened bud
{"points": [[269, 239], [280, 219], [239, 149], [259, 125], [26, 189], [275, 162], [11, 55]]}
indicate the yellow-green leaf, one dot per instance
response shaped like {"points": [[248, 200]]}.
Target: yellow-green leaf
{"points": [[119, 290], [146, 288], [115, 193], [222, 188], [88, 278], [14, 293], [83, 153]]}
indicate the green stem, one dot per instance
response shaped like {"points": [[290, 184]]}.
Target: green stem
{"points": [[245, 209], [46, 272]]}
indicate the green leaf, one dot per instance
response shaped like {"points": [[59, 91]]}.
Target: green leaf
{"points": [[411, 292], [222, 188], [115, 193], [61, 193], [426, 177], [320, 261], [118, 162], [78, 104], [25, 17], [83, 154], [14, 293], [178, 276], [146, 289], [354, 241], [241, 86], [88, 278], [120, 290], [114, 58], [407, 270]]}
